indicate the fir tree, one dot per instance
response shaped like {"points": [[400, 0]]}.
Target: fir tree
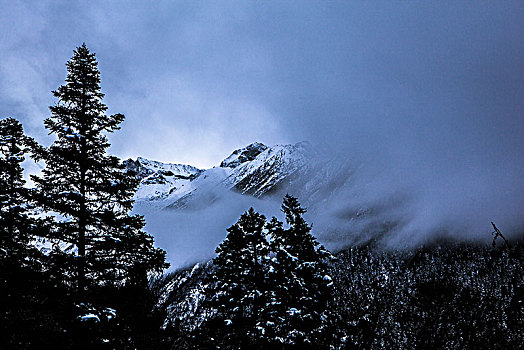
{"points": [[17, 226], [23, 288], [90, 190], [299, 313], [239, 284]]}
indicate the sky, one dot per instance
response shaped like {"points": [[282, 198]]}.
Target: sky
{"points": [[429, 94]]}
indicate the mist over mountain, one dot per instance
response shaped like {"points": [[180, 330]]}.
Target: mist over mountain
{"points": [[426, 98], [348, 201]]}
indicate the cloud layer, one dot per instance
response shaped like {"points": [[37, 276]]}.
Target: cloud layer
{"points": [[430, 96]]}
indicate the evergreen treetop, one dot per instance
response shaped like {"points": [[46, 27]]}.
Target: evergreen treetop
{"points": [[270, 285]]}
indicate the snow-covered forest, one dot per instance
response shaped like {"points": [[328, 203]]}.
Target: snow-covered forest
{"points": [[445, 295]]}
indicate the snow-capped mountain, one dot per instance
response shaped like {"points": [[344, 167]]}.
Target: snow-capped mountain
{"points": [[269, 168], [253, 170], [243, 155], [158, 180]]}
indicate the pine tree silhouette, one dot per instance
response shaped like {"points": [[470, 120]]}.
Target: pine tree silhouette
{"points": [[90, 190], [25, 312], [16, 225]]}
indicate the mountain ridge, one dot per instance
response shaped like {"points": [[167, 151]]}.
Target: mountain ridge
{"points": [[253, 170]]}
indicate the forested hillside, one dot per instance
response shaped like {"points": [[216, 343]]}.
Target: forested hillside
{"points": [[446, 295]]}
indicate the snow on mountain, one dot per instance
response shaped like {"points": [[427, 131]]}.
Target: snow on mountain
{"points": [[145, 167], [200, 193], [268, 169], [254, 170], [243, 155], [158, 180]]}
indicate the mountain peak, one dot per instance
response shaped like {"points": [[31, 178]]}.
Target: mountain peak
{"points": [[254, 170], [146, 167], [243, 155]]}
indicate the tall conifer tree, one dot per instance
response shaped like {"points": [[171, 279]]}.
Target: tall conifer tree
{"points": [[90, 190], [239, 283], [302, 288]]}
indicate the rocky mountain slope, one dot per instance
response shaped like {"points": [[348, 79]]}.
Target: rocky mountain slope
{"points": [[158, 180], [254, 170]]}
